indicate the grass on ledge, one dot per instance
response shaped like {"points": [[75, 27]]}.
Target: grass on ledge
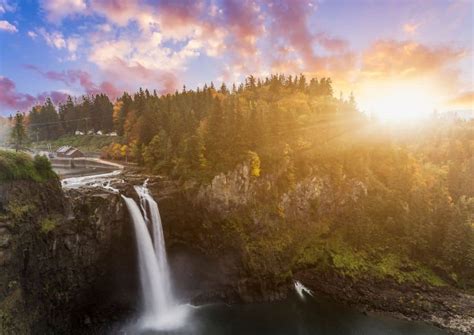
{"points": [[20, 166]]}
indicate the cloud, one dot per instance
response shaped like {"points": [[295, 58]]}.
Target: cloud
{"points": [[120, 12], [332, 44], [150, 44], [80, 77], [32, 34], [6, 6], [56, 97], [56, 10], [11, 99], [410, 28], [290, 23], [141, 60], [406, 59], [126, 73], [391, 66], [54, 39], [295, 42], [7, 26], [463, 100], [245, 22], [57, 40], [164, 36]]}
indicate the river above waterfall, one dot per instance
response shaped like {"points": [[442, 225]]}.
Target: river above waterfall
{"points": [[293, 316]]}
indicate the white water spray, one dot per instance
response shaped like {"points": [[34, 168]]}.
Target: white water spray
{"points": [[99, 180], [301, 289]]}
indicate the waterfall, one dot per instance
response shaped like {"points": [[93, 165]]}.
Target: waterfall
{"points": [[148, 264], [147, 202], [161, 311]]}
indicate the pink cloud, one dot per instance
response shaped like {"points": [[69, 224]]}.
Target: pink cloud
{"points": [[55, 96], [142, 76], [291, 23], [58, 9], [332, 44], [11, 99], [246, 24], [7, 26], [117, 11], [180, 13], [294, 43], [80, 77], [407, 58], [138, 74]]}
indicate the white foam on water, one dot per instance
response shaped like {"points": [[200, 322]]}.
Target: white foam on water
{"points": [[100, 180]]}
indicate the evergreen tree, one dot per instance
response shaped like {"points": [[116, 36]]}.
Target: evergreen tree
{"points": [[18, 136]]}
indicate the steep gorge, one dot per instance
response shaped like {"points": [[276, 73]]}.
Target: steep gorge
{"points": [[68, 257]]}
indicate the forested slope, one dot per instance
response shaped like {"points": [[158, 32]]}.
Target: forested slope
{"points": [[391, 201]]}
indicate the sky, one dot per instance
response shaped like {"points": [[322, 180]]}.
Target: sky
{"points": [[373, 48]]}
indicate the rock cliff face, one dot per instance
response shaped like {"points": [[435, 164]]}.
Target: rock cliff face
{"points": [[68, 257], [67, 260]]}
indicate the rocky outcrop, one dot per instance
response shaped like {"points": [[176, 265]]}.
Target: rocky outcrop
{"points": [[316, 194], [228, 191], [60, 255]]}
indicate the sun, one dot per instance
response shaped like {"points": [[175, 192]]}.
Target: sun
{"points": [[400, 101]]}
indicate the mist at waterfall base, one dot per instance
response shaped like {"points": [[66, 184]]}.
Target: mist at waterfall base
{"points": [[300, 314], [293, 316]]}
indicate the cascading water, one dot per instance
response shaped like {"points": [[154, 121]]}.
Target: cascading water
{"points": [[161, 311], [147, 202], [301, 289], [148, 264]]}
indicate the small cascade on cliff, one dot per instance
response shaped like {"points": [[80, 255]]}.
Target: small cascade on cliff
{"points": [[161, 311], [301, 289], [98, 180]]}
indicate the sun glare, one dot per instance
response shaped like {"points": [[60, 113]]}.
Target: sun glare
{"points": [[401, 102]]}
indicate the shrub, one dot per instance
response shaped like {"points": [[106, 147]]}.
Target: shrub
{"points": [[254, 163], [19, 211], [20, 166], [43, 167], [47, 225]]}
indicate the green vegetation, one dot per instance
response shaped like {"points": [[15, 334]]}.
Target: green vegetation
{"points": [[19, 211], [92, 113], [20, 166], [18, 132], [11, 307], [329, 186], [359, 264], [48, 224]]}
